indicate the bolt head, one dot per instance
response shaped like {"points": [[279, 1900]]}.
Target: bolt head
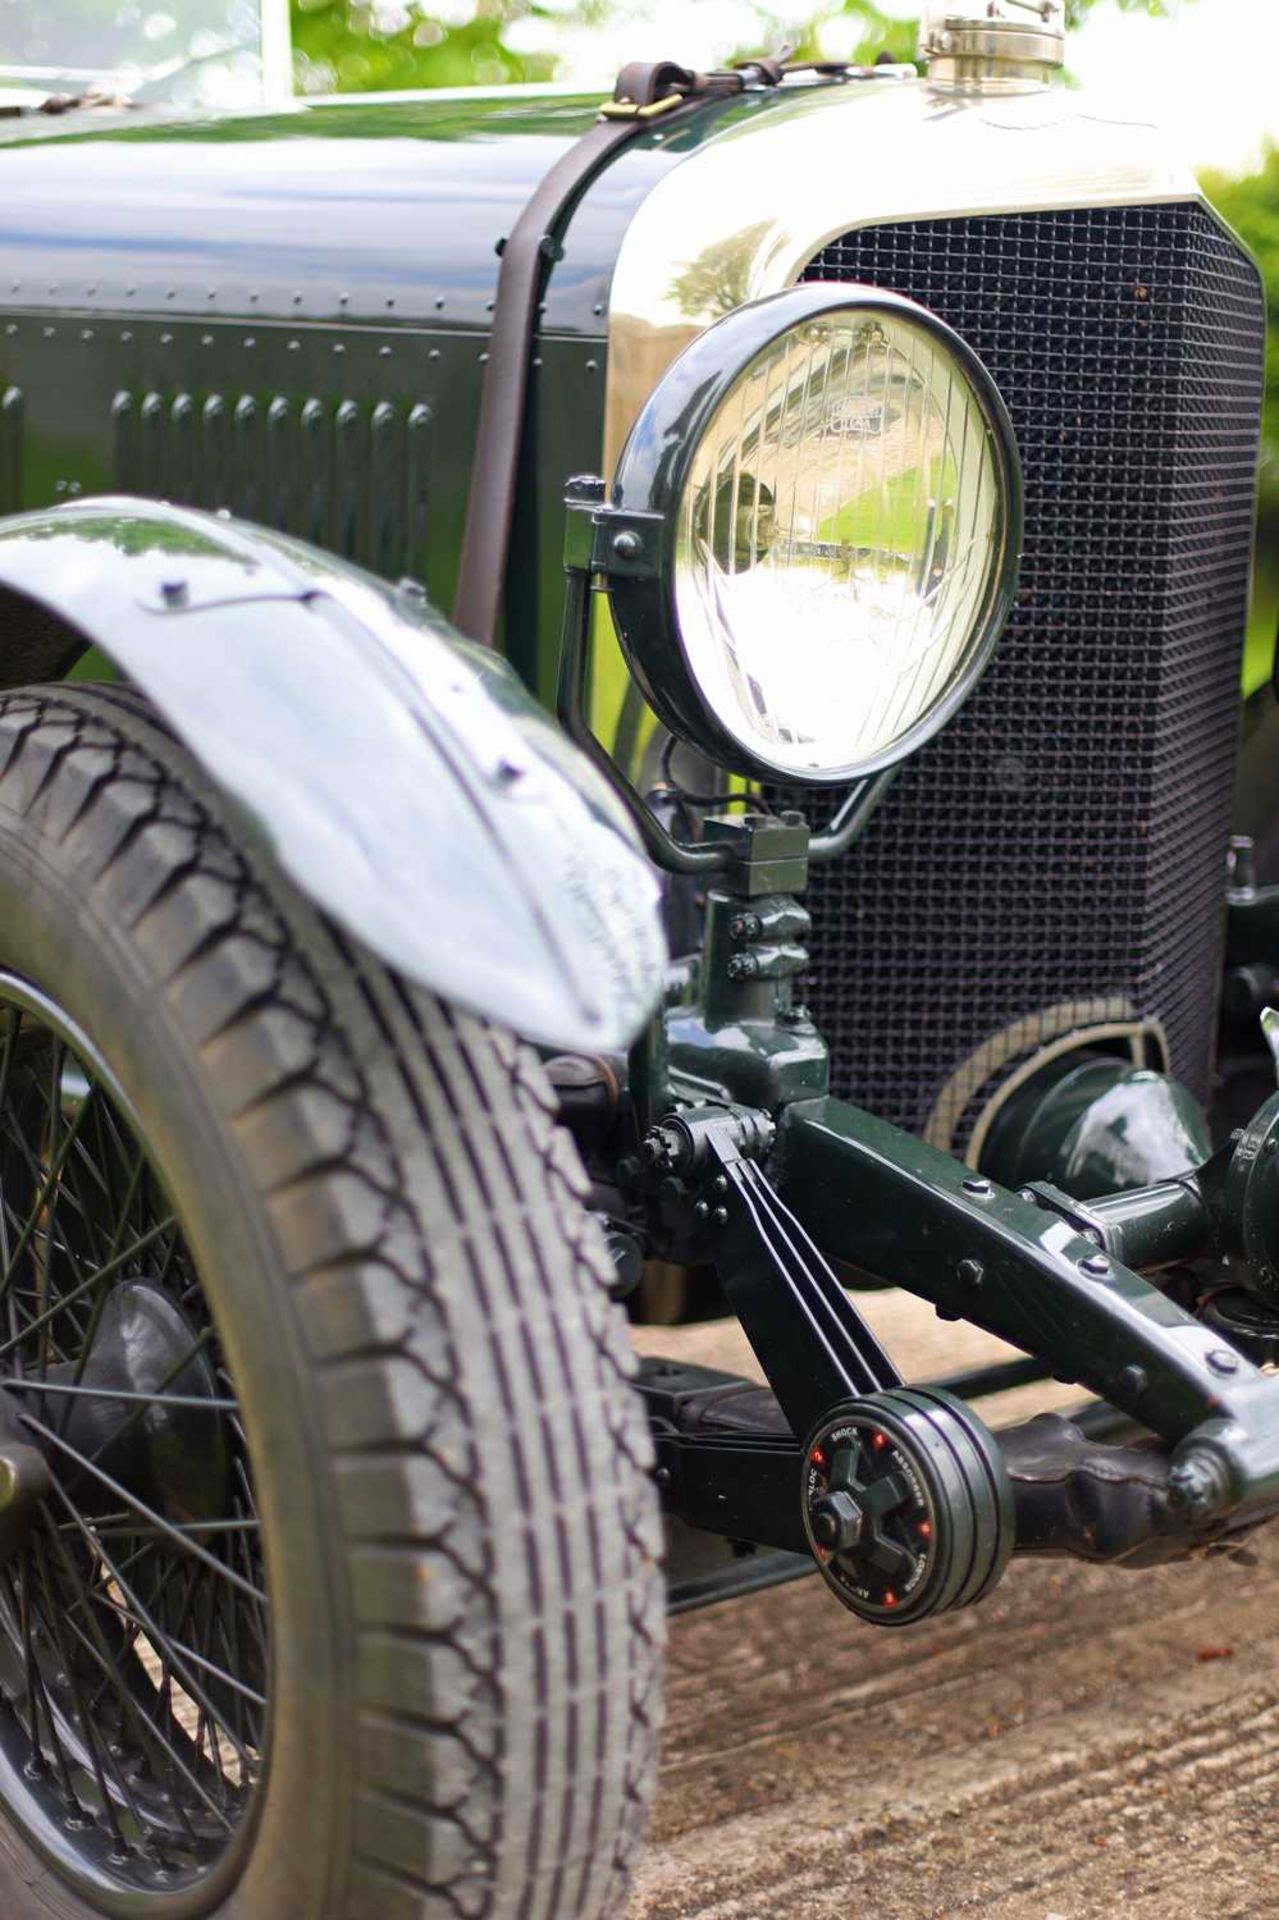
{"points": [[174, 592], [1223, 1360], [836, 1521], [970, 1273], [662, 1149], [24, 1475], [978, 1186], [1095, 1265], [1197, 1484], [627, 545]]}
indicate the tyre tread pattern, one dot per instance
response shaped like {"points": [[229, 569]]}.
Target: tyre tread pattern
{"points": [[491, 1465]]}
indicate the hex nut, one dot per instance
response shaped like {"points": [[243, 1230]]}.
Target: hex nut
{"points": [[836, 1520], [1197, 1483]]}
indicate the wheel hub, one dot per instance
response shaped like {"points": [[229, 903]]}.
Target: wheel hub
{"points": [[140, 1408]]}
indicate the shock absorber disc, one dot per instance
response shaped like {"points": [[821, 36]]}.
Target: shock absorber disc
{"points": [[907, 1505]]}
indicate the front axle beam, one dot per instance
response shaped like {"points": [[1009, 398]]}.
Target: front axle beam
{"points": [[902, 1212], [728, 1465]]}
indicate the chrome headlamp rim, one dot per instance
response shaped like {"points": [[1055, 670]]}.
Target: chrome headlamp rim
{"points": [[655, 464]]}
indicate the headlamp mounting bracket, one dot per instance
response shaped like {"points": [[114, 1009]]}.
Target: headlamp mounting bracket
{"points": [[602, 543], [610, 542]]}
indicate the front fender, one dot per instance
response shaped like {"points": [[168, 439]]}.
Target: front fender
{"points": [[404, 779]]}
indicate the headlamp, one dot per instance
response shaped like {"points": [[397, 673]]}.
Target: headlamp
{"points": [[840, 484]]}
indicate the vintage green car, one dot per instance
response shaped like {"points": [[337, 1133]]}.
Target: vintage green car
{"points": [[372, 1043]]}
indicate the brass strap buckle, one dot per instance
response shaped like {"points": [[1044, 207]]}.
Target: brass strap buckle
{"points": [[631, 110]]}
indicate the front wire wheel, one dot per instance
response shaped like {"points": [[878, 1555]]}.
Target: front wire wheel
{"points": [[328, 1547], [134, 1650]]}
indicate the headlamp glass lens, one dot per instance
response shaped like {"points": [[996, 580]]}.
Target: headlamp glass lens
{"points": [[838, 534]]}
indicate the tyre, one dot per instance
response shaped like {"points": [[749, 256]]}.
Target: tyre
{"points": [[328, 1581]]}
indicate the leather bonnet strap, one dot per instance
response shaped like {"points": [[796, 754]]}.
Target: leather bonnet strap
{"points": [[645, 92]]}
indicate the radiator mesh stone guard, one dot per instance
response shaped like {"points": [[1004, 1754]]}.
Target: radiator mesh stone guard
{"points": [[1063, 840]]}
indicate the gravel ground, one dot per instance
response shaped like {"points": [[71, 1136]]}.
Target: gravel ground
{"points": [[1084, 1744]]}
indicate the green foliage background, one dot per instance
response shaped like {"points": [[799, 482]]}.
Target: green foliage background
{"points": [[353, 45], [1251, 205]]}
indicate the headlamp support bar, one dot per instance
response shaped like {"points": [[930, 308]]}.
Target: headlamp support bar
{"points": [[603, 543]]}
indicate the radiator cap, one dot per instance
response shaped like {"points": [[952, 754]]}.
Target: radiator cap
{"points": [[993, 46]]}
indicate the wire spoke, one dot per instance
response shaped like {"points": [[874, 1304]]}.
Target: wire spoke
{"points": [[129, 1528], [113, 1248], [48, 1189], [160, 1641], [156, 1520], [134, 1647], [35, 1168], [13, 1022], [37, 1697], [88, 1727], [128, 1396], [169, 1640], [92, 1640], [94, 1280]]}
